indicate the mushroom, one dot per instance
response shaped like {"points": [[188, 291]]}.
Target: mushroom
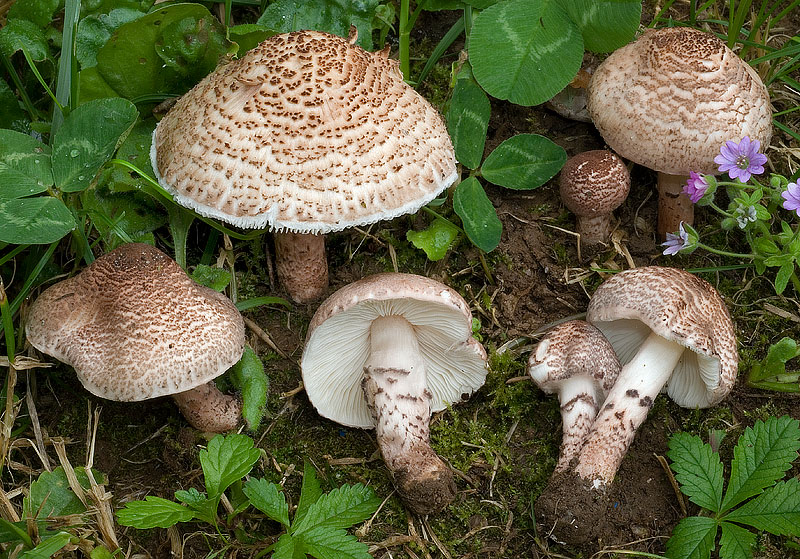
{"points": [[671, 330], [576, 361], [669, 100], [306, 134], [592, 185], [135, 326], [386, 352]]}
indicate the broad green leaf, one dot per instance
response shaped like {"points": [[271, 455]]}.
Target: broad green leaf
{"points": [[736, 542], [88, 138], [692, 538], [437, 5], [51, 495], [39, 12], [341, 508], [95, 30], [122, 217], [191, 497], [783, 275], [286, 548], [24, 165], [765, 246], [11, 113], [211, 276], [13, 531], [774, 364], [96, 7], [326, 543], [40, 220], [251, 381], [153, 512], [436, 239], [227, 459], [776, 510], [606, 25], [468, 120], [21, 34], [514, 46], [333, 16], [524, 162], [48, 547], [310, 492], [192, 46], [92, 86], [248, 35], [135, 149], [698, 469], [477, 214], [268, 498], [761, 457]]}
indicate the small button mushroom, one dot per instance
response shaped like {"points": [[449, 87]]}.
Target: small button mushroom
{"points": [[576, 361], [669, 100], [385, 352], [592, 185], [135, 326]]}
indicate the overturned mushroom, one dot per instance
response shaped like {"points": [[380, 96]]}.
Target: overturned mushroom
{"points": [[135, 326], [385, 352]]}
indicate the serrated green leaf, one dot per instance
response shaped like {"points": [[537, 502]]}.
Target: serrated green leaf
{"points": [[310, 492], [153, 512], [21, 34], [323, 542], [776, 510], [341, 508], [698, 469], [251, 381], [48, 547], [40, 220], [50, 495], [227, 459], [211, 276], [435, 240], [24, 165], [481, 224], [762, 456], [524, 162], [692, 538], [468, 120], [269, 499], [286, 548], [191, 497], [736, 542], [605, 25]]}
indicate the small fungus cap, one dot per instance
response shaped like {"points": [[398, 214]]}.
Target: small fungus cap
{"points": [[135, 326], [306, 132], [594, 183], [677, 306], [673, 97], [338, 343]]}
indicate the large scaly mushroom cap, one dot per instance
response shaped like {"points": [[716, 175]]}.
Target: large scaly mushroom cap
{"points": [[671, 98], [307, 132], [135, 326]]}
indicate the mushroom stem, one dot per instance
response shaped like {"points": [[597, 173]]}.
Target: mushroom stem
{"points": [[626, 407], [395, 388], [301, 265], [579, 400], [673, 205], [208, 409], [593, 230]]}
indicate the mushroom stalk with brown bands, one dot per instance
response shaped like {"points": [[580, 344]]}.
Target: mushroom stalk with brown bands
{"points": [[301, 264], [208, 409]]}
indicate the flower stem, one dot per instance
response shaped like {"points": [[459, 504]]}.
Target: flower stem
{"points": [[724, 252]]}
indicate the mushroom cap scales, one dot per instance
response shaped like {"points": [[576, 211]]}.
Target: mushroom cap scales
{"points": [[135, 326], [306, 132]]}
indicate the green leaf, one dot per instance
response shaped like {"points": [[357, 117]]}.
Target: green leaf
{"points": [[524, 162], [11, 113], [481, 224], [762, 456], [513, 46], [736, 542], [605, 25], [692, 538], [191, 497], [39, 12], [310, 492], [332, 16], [468, 120], [436, 239], [776, 510], [14, 531], [153, 512], [50, 495], [48, 547], [95, 30], [192, 46], [21, 34], [285, 548], [92, 86], [783, 275], [227, 459], [777, 356], [40, 220], [341, 508], [250, 380], [269, 499], [765, 246], [88, 138], [122, 217], [698, 469], [24, 165], [326, 543], [135, 149], [249, 35], [211, 276]]}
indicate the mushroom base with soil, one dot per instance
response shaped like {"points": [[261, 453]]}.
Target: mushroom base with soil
{"points": [[208, 409], [673, 205], [301, 265]]}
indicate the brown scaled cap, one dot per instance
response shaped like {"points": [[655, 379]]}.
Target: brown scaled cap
{"points": [[135, 326]]}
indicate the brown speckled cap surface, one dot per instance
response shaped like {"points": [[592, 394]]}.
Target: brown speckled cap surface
{"points": [[135, 326], [594, 183], [678, 306], [307, 132], [338, 343], [671, 99]]}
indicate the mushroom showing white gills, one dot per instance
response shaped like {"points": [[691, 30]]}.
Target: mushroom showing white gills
{"points": [[306, 134], [135, 326], [670, 329], [576, 361], [385, 352], [669, 100]]}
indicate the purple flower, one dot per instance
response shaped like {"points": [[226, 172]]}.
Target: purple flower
{"points": [[741, 160], [676, 243], [792, 197], [695, 187]]}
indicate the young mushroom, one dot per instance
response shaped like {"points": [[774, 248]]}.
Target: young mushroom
{"points": [[305, 134], [385, 352], [576, 361], [134, 326], [592, 185], [668, 101], [671, 330]]}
